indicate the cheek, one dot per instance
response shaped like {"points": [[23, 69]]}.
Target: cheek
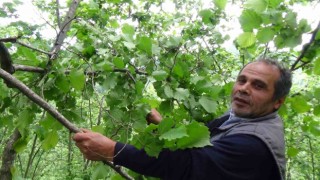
{"points": [[234, 90]]}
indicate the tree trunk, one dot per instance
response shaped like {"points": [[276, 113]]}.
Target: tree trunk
{"points": [[8, 156]]}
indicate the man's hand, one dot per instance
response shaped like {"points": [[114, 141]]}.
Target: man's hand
{"points": [[154, 117], [95, 146]]}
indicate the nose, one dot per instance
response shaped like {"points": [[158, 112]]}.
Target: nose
{"points": [[244, 88]]}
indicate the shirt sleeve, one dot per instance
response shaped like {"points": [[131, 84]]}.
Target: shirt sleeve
{"points": [[232, 157]]}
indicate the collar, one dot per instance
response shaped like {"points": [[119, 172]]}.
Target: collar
{"points": [[233, 119]]}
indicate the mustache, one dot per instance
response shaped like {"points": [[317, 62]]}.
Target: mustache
{"points": [[241, 97]]}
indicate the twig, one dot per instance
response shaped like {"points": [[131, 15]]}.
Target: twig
{"points": [[305, 50], [28, 46], [15, 40], [64, 29], [10, 39], [118, 170], [126, 70], [19, 67]]}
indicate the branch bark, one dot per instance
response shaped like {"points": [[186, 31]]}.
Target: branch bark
{"points": [[305, 50], [19, 67], [8, 156], [65, 26], [38, 100], [118, 170], [15, 40], [58, 13]]}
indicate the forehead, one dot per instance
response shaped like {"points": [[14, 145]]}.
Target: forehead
{"points": [[261, 71]]}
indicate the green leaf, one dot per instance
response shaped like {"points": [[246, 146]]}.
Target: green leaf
{"points": [[89, 51], [145, 44], [110, 82], [206, 16], [29, 54], [292, 152], [168, 91], [198, 136], [24, 119], [316, 68], [274, 3], [246, 39], [62, 83], [50, 141], [4, 91], [316, 93], [293, 41], [104, 66], [50, 123], [77, 79], [316, 110], [173, 42], [129, 45], [21, 144], [181, 94], [153, 148], [118, 62], [159, 75], [100, 172], [221, 4], [250, 20], [139, 87], [165, 125], [99, 129], [128, 29], [257, 5], [300, 105], [178, 70], [174, 133], [208, 104], [315, 128], [265, 35]]}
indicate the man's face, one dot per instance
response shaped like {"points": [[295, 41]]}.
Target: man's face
{"points": [[252, 94]]}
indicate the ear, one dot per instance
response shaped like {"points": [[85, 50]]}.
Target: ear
{"points": [[278, 103]]}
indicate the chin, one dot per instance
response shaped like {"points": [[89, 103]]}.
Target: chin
{"points": [[242, 114]]}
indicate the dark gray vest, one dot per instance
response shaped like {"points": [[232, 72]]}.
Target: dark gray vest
{"points": [[268, 128]]}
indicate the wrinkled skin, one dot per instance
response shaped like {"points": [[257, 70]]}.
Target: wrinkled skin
{"points": [[94, 146], [252, 94]]}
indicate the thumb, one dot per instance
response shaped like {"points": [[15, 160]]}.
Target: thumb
{"points": [[80, 136], [85, 130]]}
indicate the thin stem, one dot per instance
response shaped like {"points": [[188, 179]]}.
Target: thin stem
{"points": [[30, 156]]}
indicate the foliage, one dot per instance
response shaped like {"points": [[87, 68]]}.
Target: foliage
{"points": [[122, 57]]}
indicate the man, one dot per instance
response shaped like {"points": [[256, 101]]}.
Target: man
{"points": [[248, 141]]}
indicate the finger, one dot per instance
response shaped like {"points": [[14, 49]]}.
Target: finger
{"points": [[85, 130], [79, 137]]}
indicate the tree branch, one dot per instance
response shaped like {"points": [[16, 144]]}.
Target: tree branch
{"points": [[64, 29], [58, 13], [118, 170], [5, 59], [15, 40], [8, 156], [305, 50], [39, 50], [19, 67], [51, 110], [38, 100]]}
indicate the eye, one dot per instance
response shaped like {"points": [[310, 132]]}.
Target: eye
{"points": [[259, 85], [241, 80]]}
